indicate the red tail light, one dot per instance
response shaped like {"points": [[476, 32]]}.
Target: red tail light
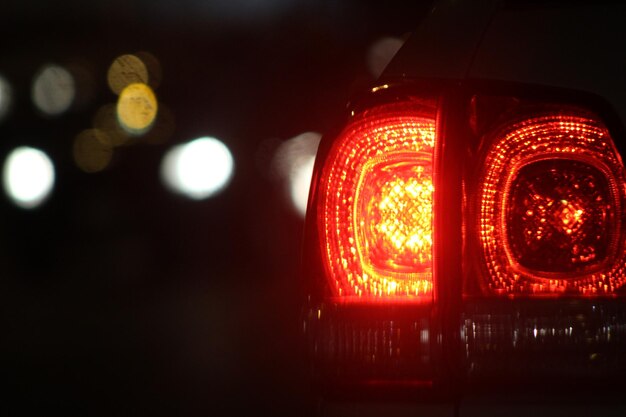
{"points": [[504, 257], [550, 208], [376, 206]]}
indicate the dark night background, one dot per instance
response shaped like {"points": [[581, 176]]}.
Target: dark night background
{"points": [[120, 298]]}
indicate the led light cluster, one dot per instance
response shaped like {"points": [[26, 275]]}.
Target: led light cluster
{"points": [[550, 208], [559, 216], [376, 206]]}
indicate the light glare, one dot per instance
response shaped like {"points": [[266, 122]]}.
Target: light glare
{"points": [[198, 169], [28, 177]]}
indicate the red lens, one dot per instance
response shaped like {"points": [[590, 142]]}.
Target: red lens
{"points": [[376, 206], [550, 208], [559, 217]]}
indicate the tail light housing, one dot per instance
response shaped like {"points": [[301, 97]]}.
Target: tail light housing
{"points": [[461, 235]]}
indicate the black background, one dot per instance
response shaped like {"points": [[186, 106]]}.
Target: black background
{"points": [[119, 298]]}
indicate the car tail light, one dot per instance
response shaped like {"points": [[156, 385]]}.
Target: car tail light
{"points": [[465, 238], [550, 208], [376, 206]]}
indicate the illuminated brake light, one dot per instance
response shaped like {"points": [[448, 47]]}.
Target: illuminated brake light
{"points": [[376, 208], [550, 209]]}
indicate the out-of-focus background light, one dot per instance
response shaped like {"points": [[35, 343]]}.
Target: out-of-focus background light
{"points": [[137, 108], [163, 127], [53, 90], [198, 169], [153, 66], [86, 82], [381, 52], [92, 150], [28, 177], [125, 70], [293, 162], [6, 98], [105, 119]]}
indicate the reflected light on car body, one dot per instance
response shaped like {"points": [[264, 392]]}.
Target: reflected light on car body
{"points": [[299, 184], [293, 162]]}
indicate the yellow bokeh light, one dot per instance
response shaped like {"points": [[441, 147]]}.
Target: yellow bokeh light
{"points": [[137, 108], [153, 66], [163, 127], [125, 70], [105, 120], [92, 150]]}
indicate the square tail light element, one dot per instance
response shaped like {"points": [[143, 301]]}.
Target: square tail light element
{"points": [[375, 213], [550, 208]]}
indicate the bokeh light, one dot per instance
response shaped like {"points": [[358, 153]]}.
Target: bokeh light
{"points": [[125, 70], [53, 90], [105, 120], [381, 52], [85, 84], [293, 162], [198, 169], [6, 98], [92, 150], [28, 177], [163, 127], [153, 66], [137, 108]]}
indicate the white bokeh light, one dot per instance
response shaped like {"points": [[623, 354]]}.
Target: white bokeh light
{"points": [[53, 90], [6, 98], [293, 162], [198, 169], [28, 177]]}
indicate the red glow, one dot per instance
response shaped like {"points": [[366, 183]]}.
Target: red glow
{"points": [[550, 209], [376, 206]]}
